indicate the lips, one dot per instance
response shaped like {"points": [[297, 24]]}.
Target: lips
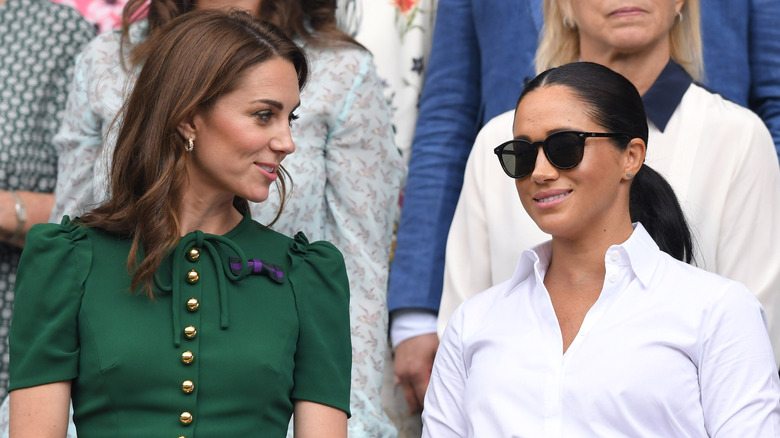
{"points": [[627, 12], [551, 198], [268, 168]]}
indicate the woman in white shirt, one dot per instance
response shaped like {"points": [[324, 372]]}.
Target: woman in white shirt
{"points": [[602, 331], [718, 156]]}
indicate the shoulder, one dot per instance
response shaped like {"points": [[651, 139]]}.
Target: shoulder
{"points": [[719, 109], [338, 62], [697, 288], [498, 129]]}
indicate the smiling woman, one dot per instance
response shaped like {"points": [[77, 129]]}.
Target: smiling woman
{"points": [[605, 323], [169, 282]]}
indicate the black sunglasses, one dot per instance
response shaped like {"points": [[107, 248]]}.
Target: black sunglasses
{"points": [[563, 149]]}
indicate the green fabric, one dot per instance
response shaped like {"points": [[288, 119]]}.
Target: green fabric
{"points": [[259, 346]]}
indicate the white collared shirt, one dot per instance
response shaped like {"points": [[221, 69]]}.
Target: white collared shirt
{"points": [[667, 350], [718, 157]]}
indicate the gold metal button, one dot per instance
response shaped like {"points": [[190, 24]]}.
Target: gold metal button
{"points": [[192, 304], [187, 386], [187, 357], [193, 255], [193, 277], [190, 332], [185, 418]]}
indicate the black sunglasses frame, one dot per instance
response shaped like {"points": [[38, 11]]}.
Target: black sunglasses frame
{"points": [[582, 136]]}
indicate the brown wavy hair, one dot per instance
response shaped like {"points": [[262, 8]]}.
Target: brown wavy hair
{"points": [[188, 64], [312, 20]]}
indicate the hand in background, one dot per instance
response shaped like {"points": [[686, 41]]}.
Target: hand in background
{"points": [[413, 364]]}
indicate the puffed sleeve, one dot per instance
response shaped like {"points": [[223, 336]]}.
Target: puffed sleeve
{"points": [[323, 359], [44, 345]]}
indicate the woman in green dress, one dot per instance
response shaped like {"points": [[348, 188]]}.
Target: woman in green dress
{"points": [[167, 311]]}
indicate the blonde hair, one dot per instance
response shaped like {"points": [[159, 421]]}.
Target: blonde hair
{"points": [[560, 42]]}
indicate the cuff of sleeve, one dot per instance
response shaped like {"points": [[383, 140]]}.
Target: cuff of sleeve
{"points": [[409, 323]]}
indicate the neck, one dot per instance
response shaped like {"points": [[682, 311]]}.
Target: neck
{"points": [[581, 261], [641, 68], [213, 216]]}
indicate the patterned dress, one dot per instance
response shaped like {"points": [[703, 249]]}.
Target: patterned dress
{"points": [[346, 170], [38, 43]]}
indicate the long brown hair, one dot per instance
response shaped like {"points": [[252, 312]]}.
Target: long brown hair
{"points": [[312, 20], [187, 66]]}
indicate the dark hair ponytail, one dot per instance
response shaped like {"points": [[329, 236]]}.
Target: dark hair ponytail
{"points": [[615, 104], [653, 203]]}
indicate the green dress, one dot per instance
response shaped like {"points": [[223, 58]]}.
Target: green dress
{"points": [[223, 349]]}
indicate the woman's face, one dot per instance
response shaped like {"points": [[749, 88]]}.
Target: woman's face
{"points": [[589, 197], [624, 26], [241, 140], [251, 6]]}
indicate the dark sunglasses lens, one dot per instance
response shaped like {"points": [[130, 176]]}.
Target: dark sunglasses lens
{"points": [[565, 149], [518, 158]]}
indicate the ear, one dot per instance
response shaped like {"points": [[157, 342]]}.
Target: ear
{"points": [[678, 5], [186, 127], [634, 155]]}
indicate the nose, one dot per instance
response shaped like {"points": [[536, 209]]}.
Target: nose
{"points": [[283, 142], [543, 170]]}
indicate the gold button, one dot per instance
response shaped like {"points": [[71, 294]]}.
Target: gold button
{"points": [[187, 386], [192, 304], [193, 255], [185, 418], [193, 277], [187, 357], [190, 332]]}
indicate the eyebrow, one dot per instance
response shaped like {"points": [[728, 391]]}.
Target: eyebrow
{"points": [[276, 104], [271, 102], [547, 134]]}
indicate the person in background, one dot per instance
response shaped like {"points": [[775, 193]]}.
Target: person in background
{"points": [[347, 170], [254, 324], [38, 44], [718, 156], [483, 52], [605, 329], [106, 15]]}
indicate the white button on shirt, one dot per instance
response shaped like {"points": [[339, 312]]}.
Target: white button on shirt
{"points": [[667, 350]]}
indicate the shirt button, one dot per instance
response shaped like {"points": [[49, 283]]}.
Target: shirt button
{"points": [[193, 255], [192, 304], [193, 277], [187, 357], [187, 386], [614, 256], [190, 332], [185, 418]]}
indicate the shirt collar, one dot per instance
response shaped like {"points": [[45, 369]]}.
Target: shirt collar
{"points": [[640, 252], [665, 94]]}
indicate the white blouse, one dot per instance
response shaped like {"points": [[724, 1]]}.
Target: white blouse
{"points": [[667, 350], [718, 157]]}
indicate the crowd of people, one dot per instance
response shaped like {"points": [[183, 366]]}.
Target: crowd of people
{"points": [[210, 227]]}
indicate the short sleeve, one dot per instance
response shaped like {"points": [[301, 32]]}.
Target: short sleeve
{"points": [[44, 345], [323, 359]]}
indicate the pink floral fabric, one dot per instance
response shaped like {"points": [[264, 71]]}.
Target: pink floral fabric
{"points": [[105, 14]]}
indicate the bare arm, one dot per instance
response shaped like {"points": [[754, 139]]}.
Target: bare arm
{"points": [[313, 420], [40, 411]]}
